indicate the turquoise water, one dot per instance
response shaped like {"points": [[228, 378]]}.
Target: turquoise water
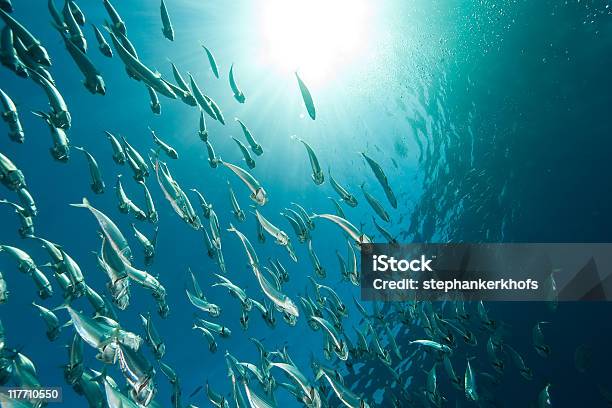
{"points": [[489, 118]]}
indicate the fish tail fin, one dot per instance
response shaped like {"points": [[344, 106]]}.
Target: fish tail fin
{"points": [[84, 204], [107, 26], [41, 114], [65, 305], [67, 324], [100, 378]]}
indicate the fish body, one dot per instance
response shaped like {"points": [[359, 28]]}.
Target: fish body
{"points": [[238, 95], [204, 305], [347, 197], [93, 82], [11, 118], [236, 210], [318, 268], [117, 22], [306, 97], [245, 153], [258, 194], [434, 345], [167, 29], [141, 71], [176, 196], [60, 150], [236, 292], [153, 338], [281, 237], [75, 34], [78, 14], [205, 205], [148, 245], [346, 396], [203, 131], [382, 179], [74, 369], [470, 383], [317, 174], [211, 61], [202, 100], [33, 45], [59, 116], [97, 183], [118, 153], [103, 45], [152, 215], [8, 54], [169, 150], [376, 205], [214, 327], [358, 236], [51, 321], [255, 147], [539, 343], [111, 232], [154, 101]]}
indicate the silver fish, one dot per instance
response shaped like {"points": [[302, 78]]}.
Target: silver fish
{"points": [[318, 268], [346, 396], [307, 97], [154, 101], [77, 13], [358, 236], [238, 95], [203, 101], [9, 56], [103, 46], [97, 184], [26, 220], [202, 131], [61, 144], [75, 34], [382, 179], [11, 117], [153, 338], [33, 45], [317, 173], [167, 29], [111, 232], [213, 160], [375, 204], [258, 194], [347, 197], [280, 237], [169, 150], [141, 71], [118, 153], [117, 22], [211, 61], [152, 215], [236, 210], [51, 321], [245, 153]]}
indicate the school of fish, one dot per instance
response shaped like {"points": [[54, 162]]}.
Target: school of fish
{"points": [[443, 334]]}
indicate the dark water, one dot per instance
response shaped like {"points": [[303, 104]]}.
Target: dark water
{"points": [[496, 114]]}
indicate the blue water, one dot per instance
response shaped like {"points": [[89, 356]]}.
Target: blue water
{"points": [[496, 114]]}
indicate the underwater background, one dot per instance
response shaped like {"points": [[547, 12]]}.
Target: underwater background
{"points": [[491, 120]]}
